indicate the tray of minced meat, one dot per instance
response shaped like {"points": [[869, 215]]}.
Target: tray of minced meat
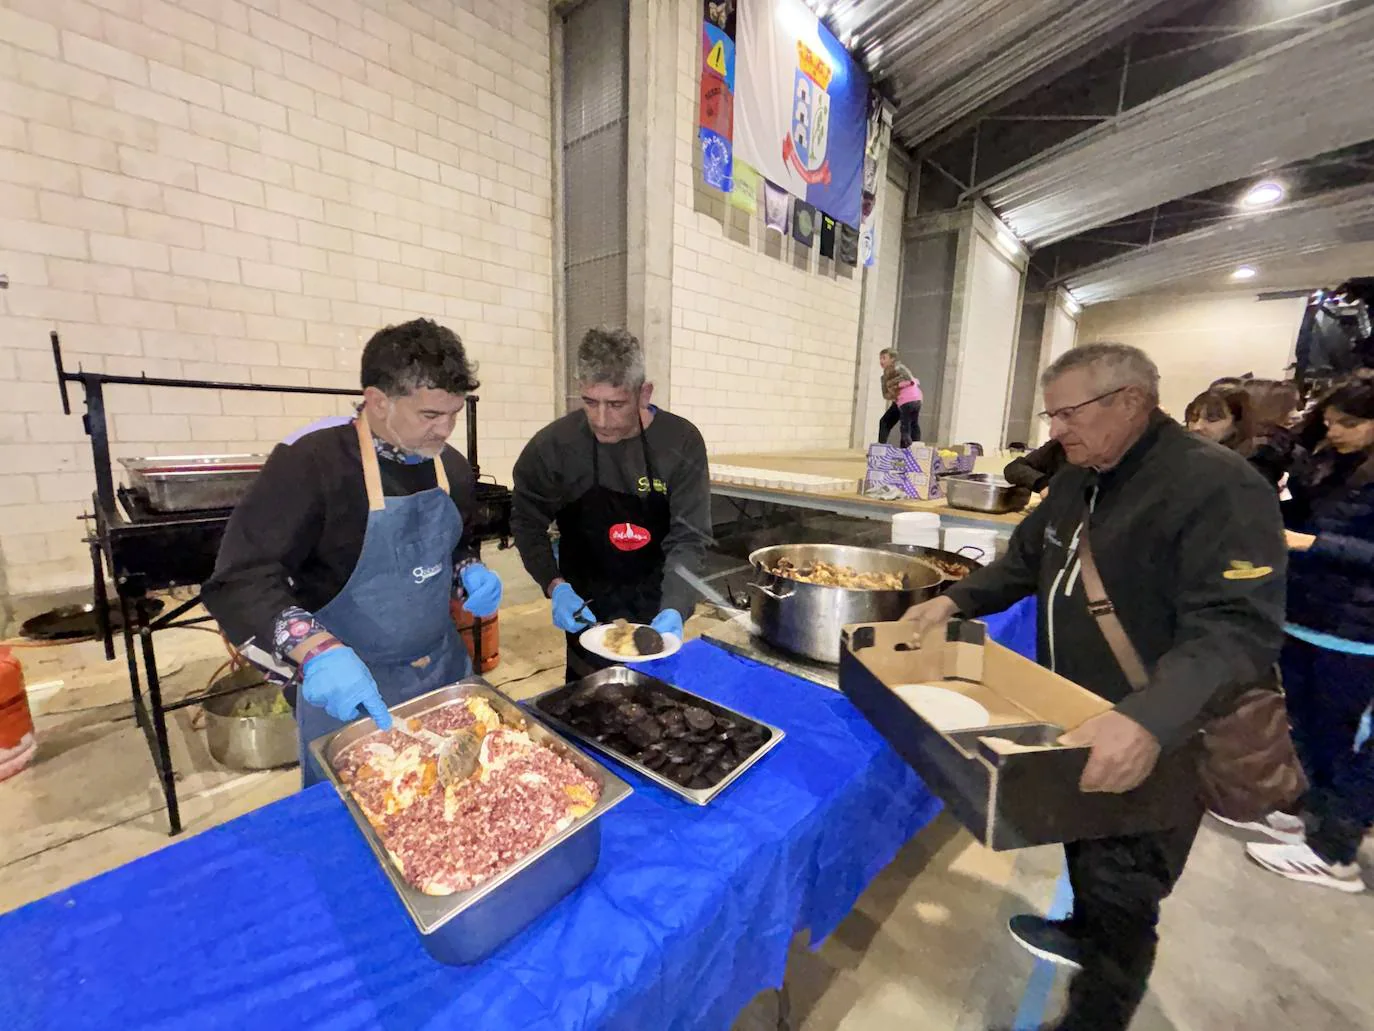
{"points": [[474, 859]]}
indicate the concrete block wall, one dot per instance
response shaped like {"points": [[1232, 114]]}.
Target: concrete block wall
{"points": [[764, 331], [245, 191], [1197, 338]]}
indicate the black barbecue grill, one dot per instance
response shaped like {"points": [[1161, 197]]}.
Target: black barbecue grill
{"points": [[145, 550]]}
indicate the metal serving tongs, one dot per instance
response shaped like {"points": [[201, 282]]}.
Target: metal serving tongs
{"points": [[711, 594], [457, 752]]}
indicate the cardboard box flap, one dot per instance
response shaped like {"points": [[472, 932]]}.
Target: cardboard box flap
{"points": [[1013, 688]]}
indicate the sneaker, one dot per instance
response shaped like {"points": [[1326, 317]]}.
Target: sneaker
{"points": [[1046, 939], [1283, 827], [1300, 863]]}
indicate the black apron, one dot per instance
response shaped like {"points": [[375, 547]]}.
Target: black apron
{"points": [[611, 551]]}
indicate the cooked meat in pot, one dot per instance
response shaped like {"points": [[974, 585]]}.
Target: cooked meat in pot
{"points": [[828, 574]]}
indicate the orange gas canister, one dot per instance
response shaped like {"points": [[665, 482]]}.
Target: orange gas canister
{"points": [[489, 629], [17, 743]]}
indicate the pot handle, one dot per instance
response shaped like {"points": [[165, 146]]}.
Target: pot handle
{"points": [[772, 592]]}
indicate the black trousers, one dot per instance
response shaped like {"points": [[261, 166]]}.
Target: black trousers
{"points": [[1328, 693], [908, 415], [1118, 885]]}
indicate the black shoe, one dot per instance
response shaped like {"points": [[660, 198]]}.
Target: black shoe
{"points": [[1046, 939]]}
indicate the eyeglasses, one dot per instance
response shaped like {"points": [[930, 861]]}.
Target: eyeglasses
{"points": [[1069, 412]]}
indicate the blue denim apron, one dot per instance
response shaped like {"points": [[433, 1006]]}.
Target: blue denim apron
{"points": [[394, 610]]}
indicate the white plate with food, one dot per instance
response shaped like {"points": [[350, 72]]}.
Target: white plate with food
{"points": [[626, 642], [943, 708]]}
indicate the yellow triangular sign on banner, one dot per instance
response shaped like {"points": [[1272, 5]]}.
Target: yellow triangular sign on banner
{"points": [[716, 59]]}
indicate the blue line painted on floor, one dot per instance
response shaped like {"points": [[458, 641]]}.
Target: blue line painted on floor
{"points": [[1036, 997]]}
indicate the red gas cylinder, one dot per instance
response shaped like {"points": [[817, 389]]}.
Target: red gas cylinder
{"points": [[17, 743]]}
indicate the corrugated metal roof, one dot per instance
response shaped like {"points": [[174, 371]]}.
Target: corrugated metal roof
{"points": [[945, 59], [1288, 103], [1305, 227]]}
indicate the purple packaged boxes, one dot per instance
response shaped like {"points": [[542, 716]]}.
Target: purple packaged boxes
{"points": [[916, 486]]}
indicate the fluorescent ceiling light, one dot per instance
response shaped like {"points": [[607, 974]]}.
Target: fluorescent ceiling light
{"points": [[1071, 304], [1262, 195], [1244, 272]]}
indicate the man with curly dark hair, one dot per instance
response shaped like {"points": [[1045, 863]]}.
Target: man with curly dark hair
{"points": [[338, 567]]}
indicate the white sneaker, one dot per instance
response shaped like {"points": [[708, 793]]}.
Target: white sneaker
{"points": [[1280, 826], [1300, 863]]}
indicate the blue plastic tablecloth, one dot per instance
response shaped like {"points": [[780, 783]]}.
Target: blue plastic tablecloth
{"points": [[283, 919]]}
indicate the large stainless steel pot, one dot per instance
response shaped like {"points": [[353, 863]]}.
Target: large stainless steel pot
{"points": [[807, 618]]}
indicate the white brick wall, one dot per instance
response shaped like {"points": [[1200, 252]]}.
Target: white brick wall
{"points": [[246, 191], [764, 330]]}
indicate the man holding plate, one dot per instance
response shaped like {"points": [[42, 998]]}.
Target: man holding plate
{"points": [[628, 487]]}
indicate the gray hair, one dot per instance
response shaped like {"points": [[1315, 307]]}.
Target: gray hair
{"points": [[611, 356], [1113, 366]]}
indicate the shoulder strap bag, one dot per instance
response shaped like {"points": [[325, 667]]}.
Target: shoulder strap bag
{"points": [[1247, 765]]}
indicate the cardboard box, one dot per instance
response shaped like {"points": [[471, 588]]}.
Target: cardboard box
{"points": [[886, 458], [916, 486], [924, 459], [1008, 782]]}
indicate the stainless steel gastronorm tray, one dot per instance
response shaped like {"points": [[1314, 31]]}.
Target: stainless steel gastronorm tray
{"points": [[625, 675], [181, 483], [468, 925]]}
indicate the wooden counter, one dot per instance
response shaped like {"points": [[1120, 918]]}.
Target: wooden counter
{"points": [[849, 464]]}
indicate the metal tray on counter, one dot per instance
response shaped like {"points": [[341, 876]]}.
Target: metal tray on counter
{"points": [[467, 926], [617, 675], [184, 483]]}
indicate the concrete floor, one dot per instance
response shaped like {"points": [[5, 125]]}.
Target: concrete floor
{"points": [[925, 948]]}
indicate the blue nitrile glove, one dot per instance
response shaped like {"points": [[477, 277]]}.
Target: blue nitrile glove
{"points": [[569, 613], [669, 621], [483, 588], [339, 682]]}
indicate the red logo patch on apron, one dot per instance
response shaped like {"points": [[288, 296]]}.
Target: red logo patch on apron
{"points": [[629, 537]]}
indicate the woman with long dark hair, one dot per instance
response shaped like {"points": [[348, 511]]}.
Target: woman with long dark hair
{"points": [[1328, 658]]}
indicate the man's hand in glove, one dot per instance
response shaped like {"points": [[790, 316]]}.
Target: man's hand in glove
{"points": [[339, 682], [483, 589], [669, 621], [570, 612]]}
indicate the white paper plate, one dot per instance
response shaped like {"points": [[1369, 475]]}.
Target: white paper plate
{"points": [[943, 708], [593, 640]]}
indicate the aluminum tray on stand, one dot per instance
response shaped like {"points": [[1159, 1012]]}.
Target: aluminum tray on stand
{"points": [[183, 483], [467, 926]]}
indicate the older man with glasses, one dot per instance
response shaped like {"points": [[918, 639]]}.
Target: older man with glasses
{"points": [[1188, 541]]}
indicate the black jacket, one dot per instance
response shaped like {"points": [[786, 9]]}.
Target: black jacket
{"points": [[1189, 542], [295, 537], [1331, 587], [1035, 470]]}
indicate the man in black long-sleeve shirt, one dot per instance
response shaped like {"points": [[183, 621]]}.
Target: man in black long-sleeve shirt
{"points": [[1189, 543], [628, 486], [339, 565]]}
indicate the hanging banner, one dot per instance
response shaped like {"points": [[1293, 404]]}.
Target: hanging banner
{"points": [[716, 110], [744, 192], [875, 151], [801, 106], [776, 203]]}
